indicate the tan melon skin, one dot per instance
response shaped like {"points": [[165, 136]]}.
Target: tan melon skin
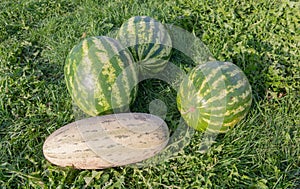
{"points": [[107, 141]]}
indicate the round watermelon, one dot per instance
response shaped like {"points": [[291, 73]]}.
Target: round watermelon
{"points": [[148, 41], [214, 96], [91, 70]]}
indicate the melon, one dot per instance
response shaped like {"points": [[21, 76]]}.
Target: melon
{"points": [[91, 70], [107, 141], [148, 41], [214, 96]]}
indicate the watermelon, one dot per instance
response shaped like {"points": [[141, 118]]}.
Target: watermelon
{"points": [[91, 70], [148, 41], [214, 97]]}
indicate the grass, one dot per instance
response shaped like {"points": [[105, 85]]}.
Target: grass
{"points": [[262, 38]]}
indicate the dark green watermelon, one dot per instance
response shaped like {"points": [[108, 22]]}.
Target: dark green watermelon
{"points": [[148, 41]]}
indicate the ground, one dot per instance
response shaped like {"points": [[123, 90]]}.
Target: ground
{"points": [[261, 37]]}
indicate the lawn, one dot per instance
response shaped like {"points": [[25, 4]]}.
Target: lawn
{"points": [[261, 37]]}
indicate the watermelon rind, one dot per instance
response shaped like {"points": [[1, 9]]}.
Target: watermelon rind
{"points": [[214, 96], [91, 69], [149, 42]]}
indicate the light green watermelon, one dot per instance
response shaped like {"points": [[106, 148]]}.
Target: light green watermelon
{"points": [[148, 41], [215, 96], [91, 70]]}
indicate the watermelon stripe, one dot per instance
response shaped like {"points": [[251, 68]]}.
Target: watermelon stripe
{"points": [[208, 78], [239, 109], [107, 76], [82, 83], [222, 93], [164, 37], [154, 44], [68, 68], [122, 87], [145, 38], [149, 49], [235, 111], [100, 53], [71, 81], [239, 84], [162, 41], [90, 71], [146, 35], [217, 98], [122, 33], [128, 81], [157, 51], [154, 64]]}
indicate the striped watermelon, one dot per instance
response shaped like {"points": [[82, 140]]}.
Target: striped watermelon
{"points": [[91, 70], [148, 41], [214, 96]]}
